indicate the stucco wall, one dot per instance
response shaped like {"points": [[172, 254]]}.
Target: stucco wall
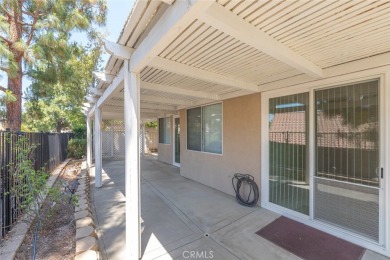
{"points": [[165, 151], [241, 146]]}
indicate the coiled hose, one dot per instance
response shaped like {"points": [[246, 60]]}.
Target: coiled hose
{"points": [[237, 182]]}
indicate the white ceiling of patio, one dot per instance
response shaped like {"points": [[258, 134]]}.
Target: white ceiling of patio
{"points": [[211, 60]]}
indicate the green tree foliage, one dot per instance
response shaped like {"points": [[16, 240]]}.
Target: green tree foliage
{"points": [[152, 124], [58, 89], [34, 29]]}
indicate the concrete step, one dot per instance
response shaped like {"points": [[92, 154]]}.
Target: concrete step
{"points": [[81, 214], [80, 192], [86, 243], [84, 232], [83, 222], [82, 201], [83, 196], [82, 207], [87, 255]]}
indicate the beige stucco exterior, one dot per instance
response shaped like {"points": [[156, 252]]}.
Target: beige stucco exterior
{"points": [[241, 146], [165, 151]]}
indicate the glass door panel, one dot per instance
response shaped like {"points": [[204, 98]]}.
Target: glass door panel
{"points": [[177, 140], [346, 178], [288, 171]]}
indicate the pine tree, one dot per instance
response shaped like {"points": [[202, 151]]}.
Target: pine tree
{"points": [[29, 27]]}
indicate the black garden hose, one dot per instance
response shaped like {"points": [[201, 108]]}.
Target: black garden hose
{"points": [[237, 182]]}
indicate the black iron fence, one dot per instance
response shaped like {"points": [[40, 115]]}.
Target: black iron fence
{"points": [[51, 150], [351, 157]]}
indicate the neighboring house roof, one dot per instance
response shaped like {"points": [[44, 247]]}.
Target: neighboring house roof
{"points": [[332, 131]]}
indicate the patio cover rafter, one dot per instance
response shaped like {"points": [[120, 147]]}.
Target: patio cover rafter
{"points": [[157, 111], [178, 91], [118, 51], [112, 88], [169, 101], [222, 19], [158, 106], [155, 99], [95, 91], [102, 76], [178, 16], [91, 99], [189, 71]]}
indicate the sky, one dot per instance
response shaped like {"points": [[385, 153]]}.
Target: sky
{"points": [[117, 13]]}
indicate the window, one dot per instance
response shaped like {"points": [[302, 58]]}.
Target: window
{"points": [[164, 130], [204, 129]]}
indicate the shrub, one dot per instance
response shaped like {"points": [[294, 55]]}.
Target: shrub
{"points": [[152, 124], [77, 148], [80, 132]]}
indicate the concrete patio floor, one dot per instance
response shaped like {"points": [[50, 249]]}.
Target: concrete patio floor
{"points": [[180, 217]]}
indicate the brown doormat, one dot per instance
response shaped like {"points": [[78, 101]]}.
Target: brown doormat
{"points": [[307, 242]]}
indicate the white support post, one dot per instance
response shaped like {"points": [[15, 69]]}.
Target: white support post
{"points": [[143, 139], [132, 166], [89, 142], [112, 142], [98, 148]]}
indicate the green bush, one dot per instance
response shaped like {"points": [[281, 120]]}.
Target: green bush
{"points": [[77, 148], [80, 132], [152, 124]]}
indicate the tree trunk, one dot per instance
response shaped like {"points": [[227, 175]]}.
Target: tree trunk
{"points": [[14, 109]]}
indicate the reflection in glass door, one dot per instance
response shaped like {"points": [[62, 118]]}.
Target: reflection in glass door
{"points": [[346, 178], [288, 171], [177, 140]]}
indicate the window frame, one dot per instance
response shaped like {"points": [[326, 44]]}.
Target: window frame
{"points": [[201, 129]]}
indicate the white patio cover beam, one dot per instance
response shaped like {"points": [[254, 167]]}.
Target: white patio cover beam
{"points": [[91, 99], [132, 161], [176, 18], [169, 101], [158, 106], [178, 91], [92, 111], [222, 19], [338, 70], [157, 111], [102, 76], [95, 91], [112, 88], [113, 115], [89, 142], [98, 148], [189, 71], [118, 51]]}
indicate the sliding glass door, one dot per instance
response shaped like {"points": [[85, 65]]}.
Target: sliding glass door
{"points": [[339, 129], [288, 174], [346, 180]]}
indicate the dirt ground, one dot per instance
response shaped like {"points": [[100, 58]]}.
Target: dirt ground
{"points": [[56, 240]]}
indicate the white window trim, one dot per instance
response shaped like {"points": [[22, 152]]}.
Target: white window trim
{"points": [[383, 74], [222, 129]]}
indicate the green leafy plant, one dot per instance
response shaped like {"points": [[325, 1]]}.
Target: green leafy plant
{"points": [[152, 124], [77, 148], [40, 203], [80, 131]]}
